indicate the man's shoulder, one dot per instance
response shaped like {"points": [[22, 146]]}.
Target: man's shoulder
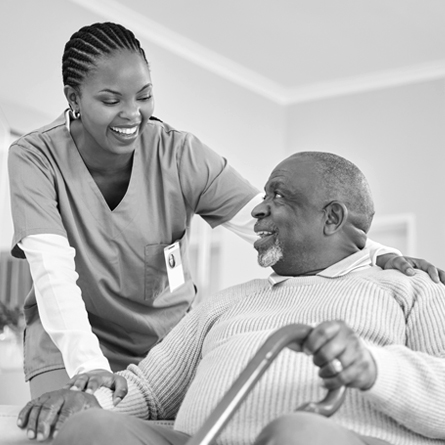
{"points": [[397, 282]]}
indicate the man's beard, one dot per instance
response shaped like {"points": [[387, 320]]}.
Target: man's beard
{"points": [[270, 256]]}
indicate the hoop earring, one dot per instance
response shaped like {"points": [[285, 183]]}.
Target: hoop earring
{"points": [[75, 113]]}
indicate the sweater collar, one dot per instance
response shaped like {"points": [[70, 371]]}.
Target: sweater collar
{"points": [[356, 261]]}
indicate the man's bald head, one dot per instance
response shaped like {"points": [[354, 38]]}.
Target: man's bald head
{"points": [[316, 211], [341, 180]]}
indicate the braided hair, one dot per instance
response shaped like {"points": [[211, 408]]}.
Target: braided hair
{"points": [[89, 44]]}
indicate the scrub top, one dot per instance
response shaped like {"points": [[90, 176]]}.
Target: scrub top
{"points": [[120, 252]]}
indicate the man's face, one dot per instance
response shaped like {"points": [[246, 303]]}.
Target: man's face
{"points": [[290, 219]]}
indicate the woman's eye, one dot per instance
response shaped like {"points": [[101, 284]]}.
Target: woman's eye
{"points": [[110, 102], [145, 98]]}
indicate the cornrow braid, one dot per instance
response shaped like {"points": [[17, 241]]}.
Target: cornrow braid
{"points": [[89, 44]]}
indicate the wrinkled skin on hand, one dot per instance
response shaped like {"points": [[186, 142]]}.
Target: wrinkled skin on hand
{"points": [[335, 340], [406, 265], [44, 416], [93, 380]]}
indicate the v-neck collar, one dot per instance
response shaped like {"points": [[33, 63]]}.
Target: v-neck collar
{"points": [[77, 169]]}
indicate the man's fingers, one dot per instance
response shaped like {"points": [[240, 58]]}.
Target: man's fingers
{"points": [[321, 334], [361, 373], [335, 366]]}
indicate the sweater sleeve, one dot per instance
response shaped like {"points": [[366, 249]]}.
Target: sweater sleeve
{"points": [[157, 385], [410, 382]]}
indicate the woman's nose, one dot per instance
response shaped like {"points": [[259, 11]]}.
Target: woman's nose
{"points": [[130, 111]]}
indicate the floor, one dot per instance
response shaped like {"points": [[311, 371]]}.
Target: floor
{"points": [[13, 388]]}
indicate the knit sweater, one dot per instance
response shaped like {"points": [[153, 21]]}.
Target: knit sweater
{"points": [[401, 320]]}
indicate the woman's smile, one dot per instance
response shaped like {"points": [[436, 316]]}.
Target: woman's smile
{"points": [[125, 134]]}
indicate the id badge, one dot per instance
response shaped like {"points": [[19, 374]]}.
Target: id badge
{"points": [[173, 262]]}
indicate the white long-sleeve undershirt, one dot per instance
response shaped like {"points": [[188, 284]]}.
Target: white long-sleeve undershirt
{"points": [[59, 298]]}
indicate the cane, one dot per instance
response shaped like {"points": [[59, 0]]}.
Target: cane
{"points": [[293, 333]]}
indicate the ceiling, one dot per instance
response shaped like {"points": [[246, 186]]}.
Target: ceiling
{"points": [[285, 50], [300, 42]]}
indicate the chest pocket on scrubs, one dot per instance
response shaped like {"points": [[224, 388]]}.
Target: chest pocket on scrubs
{"points": [[156, 279]]}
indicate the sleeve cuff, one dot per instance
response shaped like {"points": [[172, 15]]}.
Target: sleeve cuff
{"points": [[92, 365], [388, 374]]}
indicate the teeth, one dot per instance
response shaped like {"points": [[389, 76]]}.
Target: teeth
{"points": [[263, 234], [125, 130]]}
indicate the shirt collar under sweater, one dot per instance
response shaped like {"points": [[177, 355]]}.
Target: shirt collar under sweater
{"points": [[358, 260]]}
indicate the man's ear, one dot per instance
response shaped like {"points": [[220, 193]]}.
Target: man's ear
{"points": [[336, 215], [72, 96]]}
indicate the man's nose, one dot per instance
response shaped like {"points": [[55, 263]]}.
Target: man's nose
{"points": [[261, 210]]}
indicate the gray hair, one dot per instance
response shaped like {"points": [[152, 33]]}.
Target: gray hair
{"points": [[343, 181]]}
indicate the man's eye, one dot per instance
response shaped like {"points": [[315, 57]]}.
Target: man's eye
{"points": [[278, 195]]}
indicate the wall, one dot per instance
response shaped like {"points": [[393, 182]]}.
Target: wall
{"points": [[396, 136]]}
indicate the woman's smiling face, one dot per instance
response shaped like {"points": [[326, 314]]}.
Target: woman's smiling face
{"points": [[115, 103]]}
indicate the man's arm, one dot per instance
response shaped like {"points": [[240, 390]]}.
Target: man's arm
{"points": [[410, 385], [156, 386], [405, 382]]}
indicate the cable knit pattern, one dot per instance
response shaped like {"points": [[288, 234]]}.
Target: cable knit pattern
{"points": [[401, 319]]}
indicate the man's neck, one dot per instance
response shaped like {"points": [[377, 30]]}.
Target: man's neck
{"points": [[303, 270]]}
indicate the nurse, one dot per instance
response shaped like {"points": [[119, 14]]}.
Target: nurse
{"points": [[102, 199]]}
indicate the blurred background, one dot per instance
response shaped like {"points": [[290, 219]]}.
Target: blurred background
{"points": [[257, 81]]}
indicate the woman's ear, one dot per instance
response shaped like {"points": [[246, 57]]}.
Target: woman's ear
{"points": [[72, 97], [336, 215]]}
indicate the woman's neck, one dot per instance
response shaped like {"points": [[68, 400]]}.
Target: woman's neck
{"points": [[97, 160]]}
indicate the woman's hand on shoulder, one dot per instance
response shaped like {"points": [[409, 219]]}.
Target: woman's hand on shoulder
{"points": [[406, 265], [91, 381]]}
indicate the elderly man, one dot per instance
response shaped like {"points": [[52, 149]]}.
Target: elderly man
{"points": [[378, 332]]}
